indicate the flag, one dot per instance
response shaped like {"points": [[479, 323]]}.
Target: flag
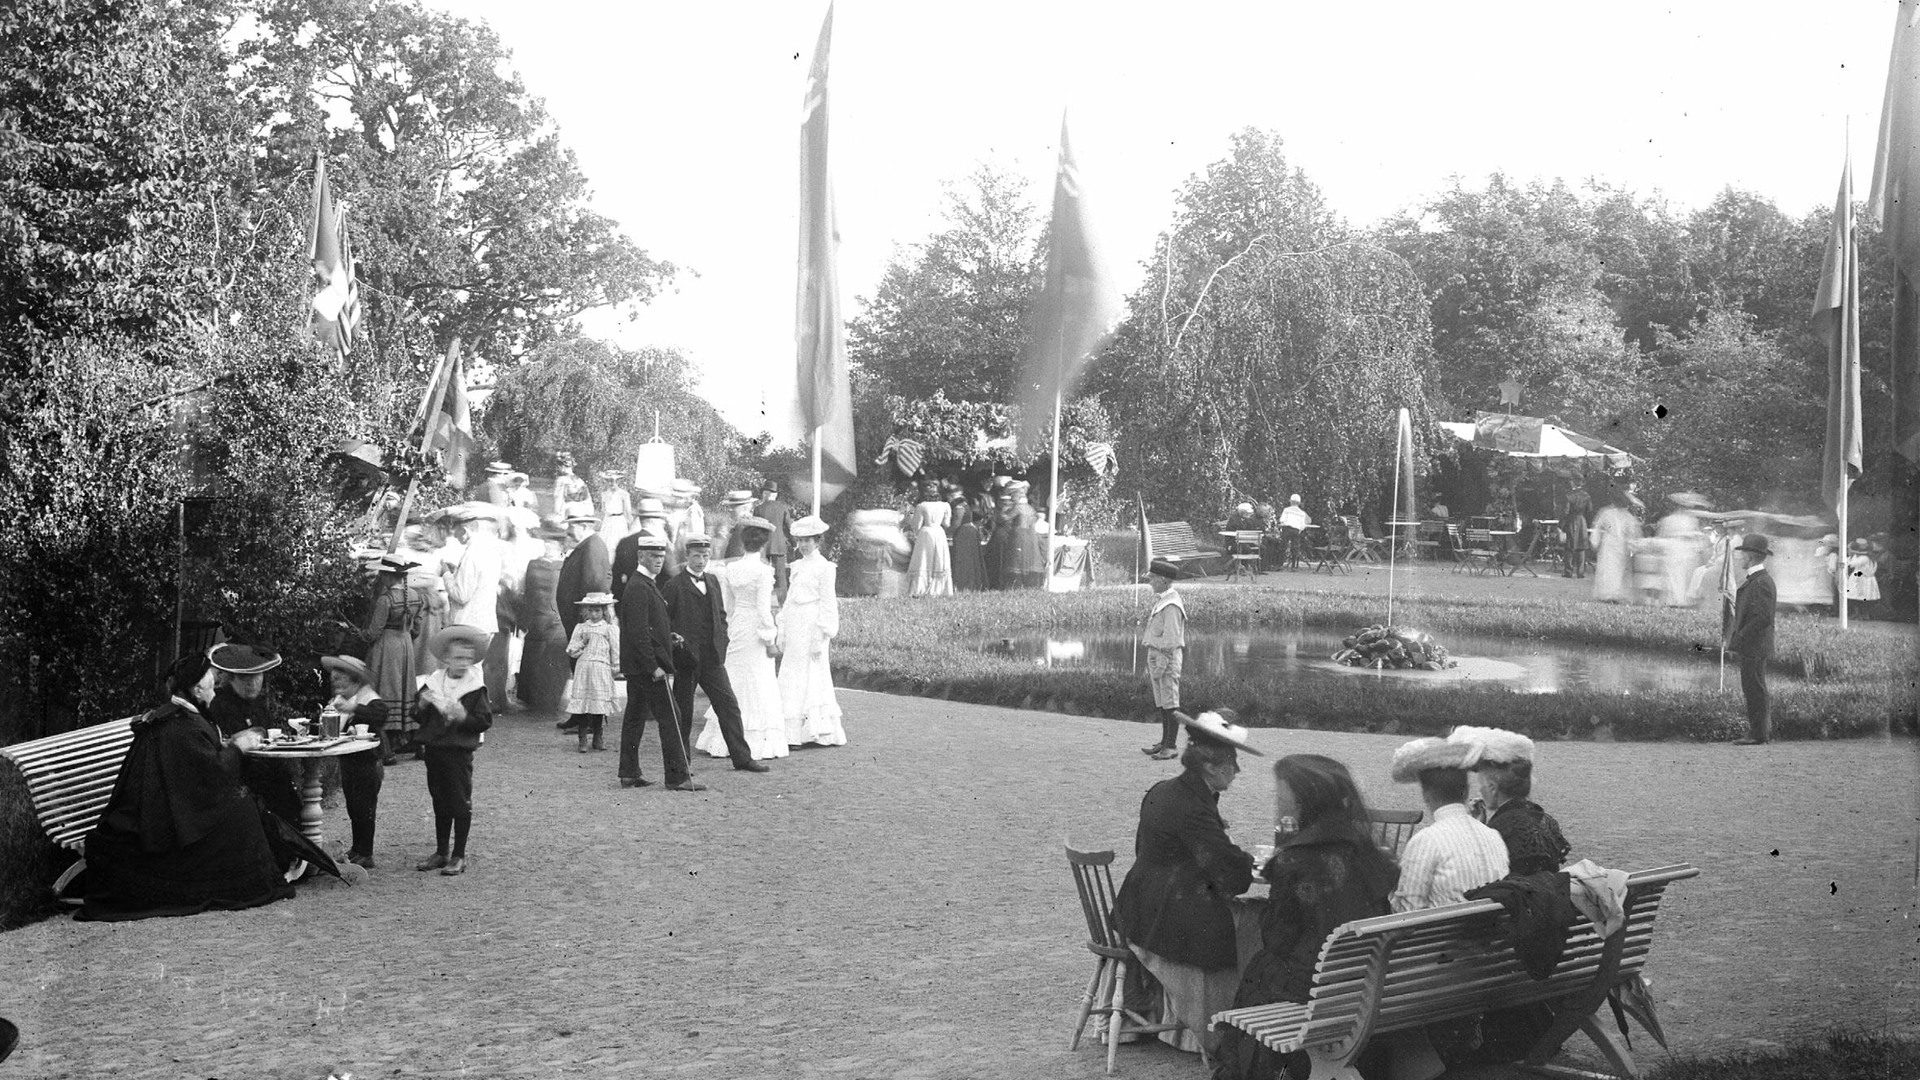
{"points": [[336, 297], [1895, 204], [448, 427], [1101, 458], [1836, 314], [906, 454], [1078, 304], [826, 404], [1728, 587]]}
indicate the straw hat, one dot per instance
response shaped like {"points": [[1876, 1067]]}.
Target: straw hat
{"points": [[694, 540], [755, 523], [685, 488], [498, 468], [650, 508], [583, 519], [646, 541], [610, 475], [470, 510], [241, 659], [1491, 746], [595, 599], [1418, 756], [458, 634], [1691, 500], [349, 665], [811, 525], [737, 498], [1216, 727]]}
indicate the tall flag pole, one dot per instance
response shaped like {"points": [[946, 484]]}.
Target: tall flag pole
{"points": [[826, 403], [1072, 317], [1836, 314], [1895, 204], [336, 299]]}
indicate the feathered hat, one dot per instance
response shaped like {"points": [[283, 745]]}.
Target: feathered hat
{"points": [[1491, 745], [1418, 756]]}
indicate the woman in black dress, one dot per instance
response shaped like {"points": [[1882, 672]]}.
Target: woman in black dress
{"points": [[969, 567]]}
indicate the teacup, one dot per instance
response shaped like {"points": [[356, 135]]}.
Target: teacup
{"points": [[299, 725], [273, 735], [362, 731]]}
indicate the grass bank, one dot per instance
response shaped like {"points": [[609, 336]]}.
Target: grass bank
{"points": [[1852, 1055], [1830, 684]]}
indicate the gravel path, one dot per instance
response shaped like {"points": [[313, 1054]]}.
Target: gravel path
{"points": [[899, 907]]}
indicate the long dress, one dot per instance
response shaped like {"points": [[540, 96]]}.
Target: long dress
{"points": [[398, 611], [543, 658], [746, 588], [930, 573], [969, 568], [427, 580], [1615, 528], [807, 623], [616, 508]]}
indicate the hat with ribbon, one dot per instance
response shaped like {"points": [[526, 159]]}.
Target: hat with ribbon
{"points": [[1218, 726], [650, 508], [498, 468], [696, 540], [238, 659], [811, 525], [1491, 746], [583, 519], [646, 541], [738, 497], [755, 523], [595, 599]]}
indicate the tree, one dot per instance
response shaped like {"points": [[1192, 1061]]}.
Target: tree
{"points": [[950, 312], [1268, 349]]}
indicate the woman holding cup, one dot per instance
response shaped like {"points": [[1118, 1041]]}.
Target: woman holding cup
{"points": [[362, 774]]}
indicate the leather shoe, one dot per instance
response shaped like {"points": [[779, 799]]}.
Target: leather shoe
{"points": [[455, 865], [1749, 742], [750, 766], [436, 861], [1154, 749], [635, 781], [1165, 754], [364, 862], [686, 785], [568, 724]]}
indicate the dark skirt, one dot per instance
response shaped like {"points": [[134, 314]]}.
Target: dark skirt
{"points": [[228, 869], [969, 567], [543, 667]]}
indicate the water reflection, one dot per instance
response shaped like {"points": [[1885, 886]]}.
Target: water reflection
{"points": [[1542, 667]]}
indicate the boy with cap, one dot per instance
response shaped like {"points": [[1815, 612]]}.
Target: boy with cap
{"points": [[1749, 631], [1165, 636]]}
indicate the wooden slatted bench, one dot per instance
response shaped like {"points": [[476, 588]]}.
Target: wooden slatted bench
{"points": [[1399, 972], [1176, 542], [70, 777]]}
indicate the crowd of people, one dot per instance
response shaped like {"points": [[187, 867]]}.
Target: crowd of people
{"points": [[951, 541], [1177, 904]]}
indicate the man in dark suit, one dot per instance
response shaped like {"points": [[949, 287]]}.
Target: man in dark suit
{"points": [[774, 510], [650, 518], [1750, 635], [587, 569], [646, 657], [700, 658]]}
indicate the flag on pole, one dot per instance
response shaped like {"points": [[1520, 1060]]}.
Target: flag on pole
{"points": [[336, 298], [826, 404], [1895, 204], [1079, 301], [1836, 314], [450, 427]]}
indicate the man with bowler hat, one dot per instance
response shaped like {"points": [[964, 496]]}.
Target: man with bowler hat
{"points": [[700, 655], [1165, 636], [646, 657], [1750, 635], [777, 512]]}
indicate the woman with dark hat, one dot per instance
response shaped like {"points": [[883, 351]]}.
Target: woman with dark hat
{"points": [[1175, 906], [242, 700], [179, 834], [361, 775], [454, 717], [1327, 873]]}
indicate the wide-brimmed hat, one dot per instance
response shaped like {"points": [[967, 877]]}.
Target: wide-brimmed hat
{"points": [[349, 665], [646, 541], [1860, 543], [1756, 543], [239, 659], [736, 498], [1491, 746], [1166, 570], [397, 563], [649, 508], [610, 474], [694, 540], [471, 510], [595, 599], [498, 468], [684, 486], [1217, 728], [1692, 500], [582, 519], [811, 525], [458, 634], [1418, 756], [754, 523]]}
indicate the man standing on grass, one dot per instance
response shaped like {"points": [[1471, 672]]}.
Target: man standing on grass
{"points": [[1165, 636], [1749, 633]]}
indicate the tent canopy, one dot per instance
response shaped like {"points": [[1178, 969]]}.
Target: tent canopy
{"points": [[1528, 436]]}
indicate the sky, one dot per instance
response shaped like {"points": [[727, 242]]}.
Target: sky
{"points": [[684, 117]]}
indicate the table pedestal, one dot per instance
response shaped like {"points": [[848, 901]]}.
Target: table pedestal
{"points": [[310, 798]]}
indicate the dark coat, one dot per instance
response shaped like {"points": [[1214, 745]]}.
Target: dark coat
{"points": [[437, 730], [1534, 840], [1321, 877], [780, 515], [231, 714], [626, 560], [588, 568], [645, 625], [1177, 899], [700, 619], [1751, 634]]}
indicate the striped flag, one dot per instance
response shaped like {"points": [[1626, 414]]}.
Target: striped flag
{"points": [[1101, 457], [336, 298], [905, 453], [826, 403]]}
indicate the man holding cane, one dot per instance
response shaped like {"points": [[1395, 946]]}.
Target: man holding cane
{"points": [[646, 657]]}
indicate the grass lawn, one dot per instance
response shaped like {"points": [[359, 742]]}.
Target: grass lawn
{"points": [[1827, 683]]}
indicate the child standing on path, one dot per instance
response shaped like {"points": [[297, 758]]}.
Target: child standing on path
{"points": [[454, 716], [1165, 636], [594, 646], [360, 774]]}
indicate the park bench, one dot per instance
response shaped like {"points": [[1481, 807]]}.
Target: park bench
{"points": [[1401, 972], [70, 777], [1176, 542]]}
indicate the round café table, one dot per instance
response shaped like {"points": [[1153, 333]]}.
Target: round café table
{"points": [[310, 752]]}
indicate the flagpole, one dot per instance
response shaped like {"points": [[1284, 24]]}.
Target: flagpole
{"points": [[1053, 490], [437, 396], [817, 432], [1841, 574]]}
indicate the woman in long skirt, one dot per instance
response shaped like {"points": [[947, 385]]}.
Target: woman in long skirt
{"points": [[930, 572], [1573, 523], [969, 565], [543, 657], [746, 588], [616, 507], [1614, 528], [807, 624], [399, 611]]}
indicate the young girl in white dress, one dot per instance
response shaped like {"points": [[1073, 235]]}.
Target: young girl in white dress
{"points": [[746, 588], [808, 621], [595, 648]]}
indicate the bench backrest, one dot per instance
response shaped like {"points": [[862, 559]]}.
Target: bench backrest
{"points": [[1173, 540], [70, 776], [1401, 971], [1479, 539]]}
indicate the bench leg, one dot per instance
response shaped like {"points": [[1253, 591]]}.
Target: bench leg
{"points": [[1328, 1067], [65, 879]]}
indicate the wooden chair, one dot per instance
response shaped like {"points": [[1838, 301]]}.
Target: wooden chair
{"points": [[1477, 552], [1329, 549], [1427, 539], [1245, 554], [1106, 991], [1359, 544], [70, 777], [1391, 828]]}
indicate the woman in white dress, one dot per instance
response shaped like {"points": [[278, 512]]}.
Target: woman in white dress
{"points": [[616, 507], [746, 588], [807, 623], [931, 571], [1614, 528]]}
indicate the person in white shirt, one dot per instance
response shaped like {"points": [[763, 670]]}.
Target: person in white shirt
{"points": [[1293, 525], [1455, 853], [473, 590]]}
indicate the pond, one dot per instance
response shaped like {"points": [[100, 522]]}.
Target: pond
{"points": [[1525, 665]]}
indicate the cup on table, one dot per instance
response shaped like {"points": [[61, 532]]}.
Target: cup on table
{"points": [[299, 725], [273, 735], [362, 731]]}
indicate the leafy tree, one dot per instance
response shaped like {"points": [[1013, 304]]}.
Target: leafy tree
{"points": [[1268, 349], [949, 314]]}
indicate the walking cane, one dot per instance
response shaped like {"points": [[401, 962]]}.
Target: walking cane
{"points": [[673, 707]]}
